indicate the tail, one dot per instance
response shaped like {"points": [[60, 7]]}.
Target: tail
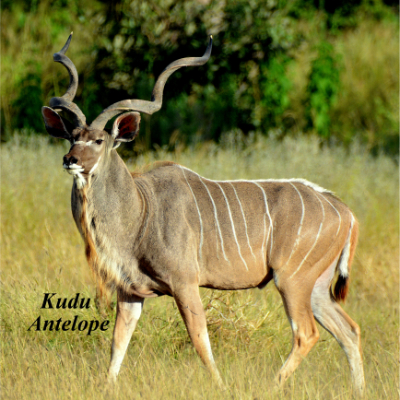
{"points": [[344, 263]]}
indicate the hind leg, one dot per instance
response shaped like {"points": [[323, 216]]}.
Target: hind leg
{"points": [[332, 317], [305, 333]]}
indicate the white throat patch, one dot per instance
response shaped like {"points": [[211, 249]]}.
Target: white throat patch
{"points": [[79, 180]]}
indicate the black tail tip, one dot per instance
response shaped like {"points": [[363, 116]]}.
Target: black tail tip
{"points": [[341, 288]]}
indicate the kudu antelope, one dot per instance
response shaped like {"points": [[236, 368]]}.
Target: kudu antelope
{"points": [[170, 231]]}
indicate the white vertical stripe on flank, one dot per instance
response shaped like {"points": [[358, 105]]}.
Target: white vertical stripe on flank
{"points": [[316, 239], [233, 226], [337, 212], [244, 219], [215, 216], [265, 239], [344, 258], [300, 226], [267, 212], [198, 211]]}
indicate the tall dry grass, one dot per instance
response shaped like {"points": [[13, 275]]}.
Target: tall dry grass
{"points": [[41, 251]]}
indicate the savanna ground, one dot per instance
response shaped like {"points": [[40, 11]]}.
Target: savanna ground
{"points": [[41, 251]]}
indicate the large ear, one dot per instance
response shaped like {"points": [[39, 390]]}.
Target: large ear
{"points": [[54, 124], [126, 127]]}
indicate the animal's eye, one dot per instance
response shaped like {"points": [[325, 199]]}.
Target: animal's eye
{"points": [[99, 141]]}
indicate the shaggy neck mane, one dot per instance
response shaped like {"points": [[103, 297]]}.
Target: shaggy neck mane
{"points": [[90, 250]]}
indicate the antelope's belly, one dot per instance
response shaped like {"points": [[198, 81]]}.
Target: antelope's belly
{"points": [[233, 274]]}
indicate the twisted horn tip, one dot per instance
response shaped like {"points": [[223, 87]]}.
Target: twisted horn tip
{"points": [[207, 53], [66, 45]]}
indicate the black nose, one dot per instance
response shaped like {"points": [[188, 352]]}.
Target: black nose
{"points": [[69, 160]]}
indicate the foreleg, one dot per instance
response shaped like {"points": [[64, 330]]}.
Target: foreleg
{"points": [[129, 308], [191, 309]]}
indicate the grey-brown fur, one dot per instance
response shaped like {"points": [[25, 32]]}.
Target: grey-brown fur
{"points": [[160, 208], [169, 231]]}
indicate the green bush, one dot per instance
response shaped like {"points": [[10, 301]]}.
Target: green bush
{"points": [[275, 87], [322, 89], [142, 37]]}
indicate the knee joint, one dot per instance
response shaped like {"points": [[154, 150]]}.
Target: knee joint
{"points": [[303, 340]]}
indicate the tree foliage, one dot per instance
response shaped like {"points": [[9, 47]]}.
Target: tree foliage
{"points": [[322, 89], [141, 37], [255, 80]]}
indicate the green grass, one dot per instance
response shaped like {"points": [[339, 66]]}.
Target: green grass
{"points": [[41, 251]]}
